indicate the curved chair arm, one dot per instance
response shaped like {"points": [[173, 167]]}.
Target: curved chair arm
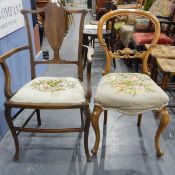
{"points": [[90, 52], [3, 57]]}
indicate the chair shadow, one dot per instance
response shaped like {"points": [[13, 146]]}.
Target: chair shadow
{"points": [[99, 165]]}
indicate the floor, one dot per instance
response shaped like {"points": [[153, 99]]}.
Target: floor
{"points": [[124, 148]]}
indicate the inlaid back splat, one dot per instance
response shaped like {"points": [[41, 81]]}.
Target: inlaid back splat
{"points": [[54, 26]]}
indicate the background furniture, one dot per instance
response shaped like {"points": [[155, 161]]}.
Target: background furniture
{"points": [[90, 30], [128, 93], [163, 60], [49, 92], [137, 4]]}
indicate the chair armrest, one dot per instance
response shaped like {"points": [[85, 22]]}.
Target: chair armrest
{"points": [[6, 71], [11, 52], [90, 52]]}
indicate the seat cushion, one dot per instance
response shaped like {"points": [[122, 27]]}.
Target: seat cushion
{"points": [[161, 8], [130, 93], [51, 90], [163, 51], [167, 65], [146, 38]]}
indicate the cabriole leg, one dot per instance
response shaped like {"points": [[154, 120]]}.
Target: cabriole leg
{"points": [[163, 124], [95, 124]]}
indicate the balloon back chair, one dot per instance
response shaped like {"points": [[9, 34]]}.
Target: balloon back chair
{"points": [[50, 93], [129, 93]]}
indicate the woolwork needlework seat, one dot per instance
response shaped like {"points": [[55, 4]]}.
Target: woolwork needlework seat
{"points": [[129, 93], [164, 62], [50, 93]]}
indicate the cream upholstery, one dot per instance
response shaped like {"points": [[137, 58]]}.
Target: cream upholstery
{"points": [[167, 65], [130, 93], [51, 90], [163, 51]]}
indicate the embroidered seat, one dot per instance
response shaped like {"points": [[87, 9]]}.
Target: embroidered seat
{"points": [[51, 90], [129, 93], [164, 62], [166, 65], [162, 51]]}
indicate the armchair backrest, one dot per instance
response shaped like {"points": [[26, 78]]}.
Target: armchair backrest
{"points": [[127, 52], [56, 25]]}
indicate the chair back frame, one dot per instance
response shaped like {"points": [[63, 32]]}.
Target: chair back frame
{"points": [[127, 52], [59, 15]]}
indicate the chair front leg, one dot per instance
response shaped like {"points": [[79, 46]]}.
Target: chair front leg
{"points": [[86, 132], [12, 129], [95, 124], [163, 124]]}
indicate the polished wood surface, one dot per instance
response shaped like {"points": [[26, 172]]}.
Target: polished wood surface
{"points": [[127, 53], [58, 16]]}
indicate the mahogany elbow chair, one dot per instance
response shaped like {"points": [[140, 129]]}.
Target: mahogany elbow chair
{"points": [[50, 93], [128, 93]]}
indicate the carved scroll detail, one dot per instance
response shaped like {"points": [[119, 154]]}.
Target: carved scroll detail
{"points": [[127, 53]]}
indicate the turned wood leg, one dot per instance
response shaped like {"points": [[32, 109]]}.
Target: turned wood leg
{"points": [[105, 117], [12, 129], [163, 124], [38, 117], [95, 124], [139, 120], [86, 133]]}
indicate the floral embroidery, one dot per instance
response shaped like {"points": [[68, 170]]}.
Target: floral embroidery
{"points": [[130, 83], [52, 85]]}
